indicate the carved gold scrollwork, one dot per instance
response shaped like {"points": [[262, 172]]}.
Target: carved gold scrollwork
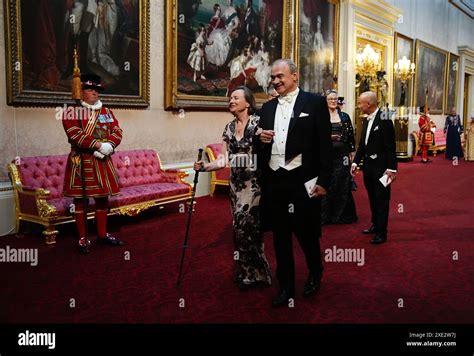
{"points": [[14, 174], [45, 210], [50, 234], [135, 210], [403, 122]]}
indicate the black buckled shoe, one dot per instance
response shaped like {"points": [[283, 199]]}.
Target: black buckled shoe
{"points": [[312, 285], [84, 245], [282, 298], [110, 240]]}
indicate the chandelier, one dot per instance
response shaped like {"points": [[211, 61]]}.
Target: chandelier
{"points": [[404, 69], [367, 63]]}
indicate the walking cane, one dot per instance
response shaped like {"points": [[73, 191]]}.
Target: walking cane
{"points": [[185, 245]]}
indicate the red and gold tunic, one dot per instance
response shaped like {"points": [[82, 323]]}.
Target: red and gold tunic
{"points": [[426, 136], [83, 131]]}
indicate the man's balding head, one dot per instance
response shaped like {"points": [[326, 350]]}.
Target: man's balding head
{"points": [[367, 102]]}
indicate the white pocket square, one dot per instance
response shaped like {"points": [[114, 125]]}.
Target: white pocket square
{"points": [[303, 114], [376, 128], [373, 156]]}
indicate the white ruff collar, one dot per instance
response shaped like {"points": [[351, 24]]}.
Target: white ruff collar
{"points": [[96, 106]]}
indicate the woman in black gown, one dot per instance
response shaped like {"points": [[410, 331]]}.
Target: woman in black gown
{"points": [[338, 205], [453, 129]]}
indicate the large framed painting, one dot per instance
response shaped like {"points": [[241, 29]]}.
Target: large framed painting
{"points": [[111, 38], [404, 47], [451, 83], [317, 43], [213, 46], [430, 76]]}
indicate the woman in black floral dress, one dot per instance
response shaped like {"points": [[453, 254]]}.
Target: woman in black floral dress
{"points": [[252, 266], [338, 206]]}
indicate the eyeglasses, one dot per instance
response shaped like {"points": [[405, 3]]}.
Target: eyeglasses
{"points": [[332, 99]]}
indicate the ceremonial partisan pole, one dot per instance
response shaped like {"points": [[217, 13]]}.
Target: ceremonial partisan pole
{"points": [[77, 96]]}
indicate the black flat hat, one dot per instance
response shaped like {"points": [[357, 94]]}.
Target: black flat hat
{"points": [[91, 81]]}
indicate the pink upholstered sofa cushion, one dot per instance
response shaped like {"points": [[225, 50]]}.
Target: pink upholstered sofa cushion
{"points": [[222, 174], [45, 172], [440, 138], [140, 178], [146, 192], [137, 167], [215, 148]]}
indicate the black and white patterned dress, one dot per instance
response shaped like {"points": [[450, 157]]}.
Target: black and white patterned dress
{"points": [[252, 265]]}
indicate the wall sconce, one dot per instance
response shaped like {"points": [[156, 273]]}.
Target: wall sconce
{"points": [[404, 70]]}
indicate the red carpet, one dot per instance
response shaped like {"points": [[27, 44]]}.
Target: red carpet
{"points": [[431, 219]]}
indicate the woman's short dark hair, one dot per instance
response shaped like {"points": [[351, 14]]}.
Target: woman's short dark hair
{"points": [[249, 98]]}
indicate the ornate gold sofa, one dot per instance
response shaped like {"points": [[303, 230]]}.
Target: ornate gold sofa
{"points": [[439, 142], [38, 188]]}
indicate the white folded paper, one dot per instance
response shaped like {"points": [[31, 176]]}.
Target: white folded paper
{"points": [[309, 185], [385, 180]]}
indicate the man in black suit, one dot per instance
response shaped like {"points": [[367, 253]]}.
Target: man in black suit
{"points": [[295, 147], [377, 148]]}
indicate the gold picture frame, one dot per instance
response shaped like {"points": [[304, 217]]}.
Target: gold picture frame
{"points": [[199, 68], [452, 77], [430, 72], [320, 45], [39, 41], [403, 46]]}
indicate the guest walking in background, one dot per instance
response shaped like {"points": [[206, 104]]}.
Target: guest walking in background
{"points": [[237, 147], [338, 207], [377, 148], [452, 130]]}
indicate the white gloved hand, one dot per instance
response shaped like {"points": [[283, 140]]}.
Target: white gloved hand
{"points": [[106, 149], [98, 155]]}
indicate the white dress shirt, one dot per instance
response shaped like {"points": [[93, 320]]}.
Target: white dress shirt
{"points": [[370, 120], [283, 116]]}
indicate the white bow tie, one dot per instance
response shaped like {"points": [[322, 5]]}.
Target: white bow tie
{"points": [[286, 99]]}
